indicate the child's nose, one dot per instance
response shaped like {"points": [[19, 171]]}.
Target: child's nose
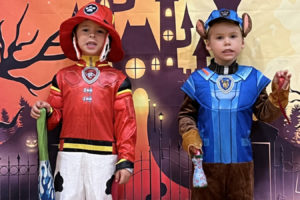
{"points": [[227, 41], [92, 35]]}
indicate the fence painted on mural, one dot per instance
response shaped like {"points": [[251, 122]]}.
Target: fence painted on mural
{"points": [[18, 181], [166, 50], [19, 177]]}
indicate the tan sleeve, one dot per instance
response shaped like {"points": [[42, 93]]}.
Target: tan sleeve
{"points": [[187, 120], [267, 108]]}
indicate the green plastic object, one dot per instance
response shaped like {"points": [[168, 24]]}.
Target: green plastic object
{"points": [[42, 136]]}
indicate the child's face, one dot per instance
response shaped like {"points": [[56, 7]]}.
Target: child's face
{"points": [[90, 38], [225, 41]]}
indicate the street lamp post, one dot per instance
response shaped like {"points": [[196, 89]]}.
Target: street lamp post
{"points": [[161, 117], [154, 118], [170, 171]]}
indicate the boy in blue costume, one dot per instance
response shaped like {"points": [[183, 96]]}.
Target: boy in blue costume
{"points": [[216, 115]]}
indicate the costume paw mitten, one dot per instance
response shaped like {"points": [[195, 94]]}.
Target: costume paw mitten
{"points": [[199, 178]]}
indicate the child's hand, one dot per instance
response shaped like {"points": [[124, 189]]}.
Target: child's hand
{"points": [[35, 110], [282, 79], [193, 150], [122, 176]]}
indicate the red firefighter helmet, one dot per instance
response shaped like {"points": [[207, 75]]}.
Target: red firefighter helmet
{"points": [[99, 14]]}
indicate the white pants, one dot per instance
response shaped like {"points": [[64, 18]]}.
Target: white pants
{"points": [[83, 175]]}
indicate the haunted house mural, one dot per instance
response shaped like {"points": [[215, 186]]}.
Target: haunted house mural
{"points": [[155, 69], [151, 67]]}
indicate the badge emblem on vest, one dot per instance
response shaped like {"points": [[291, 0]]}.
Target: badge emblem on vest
{"points": [[225, 83], [90, 74]]}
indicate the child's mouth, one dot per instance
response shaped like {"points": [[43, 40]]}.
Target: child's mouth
{"points": [[228, 51], [91, 45]]}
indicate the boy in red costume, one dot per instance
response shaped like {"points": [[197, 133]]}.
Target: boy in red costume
{"points": [[94, 103]]}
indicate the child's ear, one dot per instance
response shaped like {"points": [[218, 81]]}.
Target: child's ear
{"points": [[247, 24], [243, 43], [207, 45], [200, 29]]}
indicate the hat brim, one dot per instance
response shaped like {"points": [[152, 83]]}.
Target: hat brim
{"points": [[66, 38]]}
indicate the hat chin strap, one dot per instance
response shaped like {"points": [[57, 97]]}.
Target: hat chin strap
{"points": [[105, 49], [103, 54], [76, 48]]}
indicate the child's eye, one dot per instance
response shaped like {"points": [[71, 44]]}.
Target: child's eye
{"points": [[85, 30], [219, 37], [100, 31], [233, 36]]}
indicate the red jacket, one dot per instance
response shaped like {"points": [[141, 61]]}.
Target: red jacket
{"points": [[97, 117]]}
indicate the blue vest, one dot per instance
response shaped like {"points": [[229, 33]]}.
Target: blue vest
{"points": [[225, 111]]}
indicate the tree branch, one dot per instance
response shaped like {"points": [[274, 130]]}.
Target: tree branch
{"points": [[11, 63], [40, 56], [13, 122], [295, 100], [47, 44], [19, 47], [295, 91], [25, 82], [13, 46], [2, 48], [29, 85]]}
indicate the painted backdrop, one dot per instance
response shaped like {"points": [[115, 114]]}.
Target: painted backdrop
{"points": [[161, 49]]}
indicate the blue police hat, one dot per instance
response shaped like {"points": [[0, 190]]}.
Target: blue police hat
{"points": [[223, 13]]}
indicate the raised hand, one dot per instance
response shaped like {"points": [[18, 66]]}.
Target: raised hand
{"points": [[282, 78]]}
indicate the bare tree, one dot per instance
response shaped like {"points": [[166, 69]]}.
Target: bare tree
{"points": [[11, 63]]}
